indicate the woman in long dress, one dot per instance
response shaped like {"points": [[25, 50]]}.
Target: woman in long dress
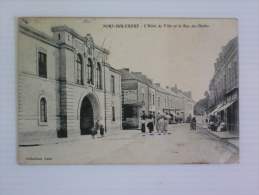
{"points": [[166, 125], [162, 124], [150, 124], [157, 124]]}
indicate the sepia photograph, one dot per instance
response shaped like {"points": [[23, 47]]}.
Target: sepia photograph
{"points": [[127, 91]]}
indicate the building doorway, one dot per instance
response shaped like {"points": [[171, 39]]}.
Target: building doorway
{"points": [[86, 117]]}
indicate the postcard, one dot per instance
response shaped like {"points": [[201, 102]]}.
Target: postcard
{"points": [[127, 91]]}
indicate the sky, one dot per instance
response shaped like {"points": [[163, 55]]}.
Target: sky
{"points": [[172, 52]]}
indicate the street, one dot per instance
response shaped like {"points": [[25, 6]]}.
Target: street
{"points": [[178, 146]]}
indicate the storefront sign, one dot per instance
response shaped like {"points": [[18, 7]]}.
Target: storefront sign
{"points": [[130, 96]]}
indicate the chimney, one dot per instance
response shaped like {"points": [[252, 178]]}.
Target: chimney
{"points": [[157, 84], [167, 87], [126, 69]]}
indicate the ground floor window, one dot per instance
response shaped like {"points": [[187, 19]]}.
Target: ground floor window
{"points": [[113, 114]]}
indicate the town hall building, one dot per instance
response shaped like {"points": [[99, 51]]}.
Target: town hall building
{"points": [[65, 84]]}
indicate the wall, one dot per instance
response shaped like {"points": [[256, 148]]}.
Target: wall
{"points": [[32, 88]]}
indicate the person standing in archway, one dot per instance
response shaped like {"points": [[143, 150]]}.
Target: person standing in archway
{"points": [[97, 126]]}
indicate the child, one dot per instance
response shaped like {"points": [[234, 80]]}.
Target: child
{"points": [[102, 131], [93, 132]]}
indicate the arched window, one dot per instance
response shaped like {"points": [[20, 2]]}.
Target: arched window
{"points": [[113, 114], [98, 76], [90, 72], [79, 69], [43, 110]]}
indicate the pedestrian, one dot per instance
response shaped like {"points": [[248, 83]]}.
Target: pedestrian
{"points": [[191, 127], [93, 130], [97, 126], [194, 123], [143, 122], [161, 124], [157, 123], [154, 117], [165, 124], [102, 131], [150, 124]]}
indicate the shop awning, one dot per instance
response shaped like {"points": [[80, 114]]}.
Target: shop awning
{"points": [[226, 105], [173, 114], [216, 110]]}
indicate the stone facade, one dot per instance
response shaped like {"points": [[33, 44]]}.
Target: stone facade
{"points": [[65, 84], [224, 87]]}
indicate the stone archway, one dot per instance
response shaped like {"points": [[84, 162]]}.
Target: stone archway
{"points": [[89, 113]]}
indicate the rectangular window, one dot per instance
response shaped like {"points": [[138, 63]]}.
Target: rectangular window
{"points": [[153, 99], [113, 114], [143, 97], [112, 85], [158, 101], [42, 62]]}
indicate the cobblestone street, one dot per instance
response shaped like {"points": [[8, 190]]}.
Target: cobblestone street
{"points": [[178, 146]]}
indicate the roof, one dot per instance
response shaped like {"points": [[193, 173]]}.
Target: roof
{"points": [[115, 70], [74, 33], [126, 75], [24, 27], [142, 77]]}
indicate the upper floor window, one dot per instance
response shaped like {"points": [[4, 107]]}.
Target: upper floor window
{"points": [[90, 72], [43, 110], [158, 101], [165, 102], [42, 64], [112, 85], [153, 99], [98, 76], [79, 66]]}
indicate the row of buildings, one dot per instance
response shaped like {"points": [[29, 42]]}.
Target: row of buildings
{"points": [[223, 102], [140, 95], [66, 84]]}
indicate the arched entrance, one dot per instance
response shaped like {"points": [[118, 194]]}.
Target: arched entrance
{"points": [[89, 112], [86, 117]]}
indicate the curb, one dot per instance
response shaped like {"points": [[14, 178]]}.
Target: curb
{"points": [[225, 140]]}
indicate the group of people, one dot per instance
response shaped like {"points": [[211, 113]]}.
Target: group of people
{"points": [[98, 126], [151, 121]]}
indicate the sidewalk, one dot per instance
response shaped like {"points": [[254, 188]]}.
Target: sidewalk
{"points": [[56, 140], [225, 135]]}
